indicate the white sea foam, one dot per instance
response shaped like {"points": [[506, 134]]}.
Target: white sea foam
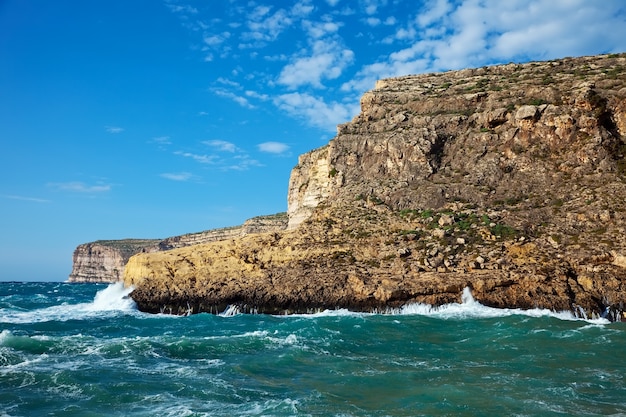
{"points": [[231, 310], [470, 308], [467, 308], [114, 298]]}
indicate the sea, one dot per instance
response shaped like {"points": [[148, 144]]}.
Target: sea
{"points": [[85, 350]]}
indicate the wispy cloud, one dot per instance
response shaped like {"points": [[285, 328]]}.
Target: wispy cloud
{"points": [[80, 187], [241, 100], [178, 8], [273, 147], [265, 25], [241, 163], [221, 145], [114, 129], [23, 198], [162, 140], [203, 159], [178, 176]]}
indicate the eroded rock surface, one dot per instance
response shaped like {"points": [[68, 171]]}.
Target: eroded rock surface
{"points": [[507, 179]]}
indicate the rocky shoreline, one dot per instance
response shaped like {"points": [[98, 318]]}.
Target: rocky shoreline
{"points": [[509, 180]]}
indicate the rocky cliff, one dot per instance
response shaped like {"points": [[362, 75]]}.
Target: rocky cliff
{"points": [[105, 260], [507, 179]]}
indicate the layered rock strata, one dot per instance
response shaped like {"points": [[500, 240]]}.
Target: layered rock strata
{"points": [[105, 260], [507, 179]]}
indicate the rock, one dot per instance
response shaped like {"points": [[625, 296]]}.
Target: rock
{"points": [[438, 233], [445, 220], [531, 158], [105, 260]]}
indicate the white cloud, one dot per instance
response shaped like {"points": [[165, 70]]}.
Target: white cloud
{"points": [[241, 163], [114, 129], [29, 199], [332, 3], [315, 111], [227, 82], [216, 40], [372, 21], [182, 8], [80, 187], [320, 29], [327, 61], [221, 145], [162, 140], [302, 9], [180, 176], [435, 10], [203, 159], [242, 101], [259, 96], [264, 26], [371, 6], [273, 147]]}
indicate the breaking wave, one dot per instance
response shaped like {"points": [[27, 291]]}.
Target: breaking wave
{"points": [[113, 299]]}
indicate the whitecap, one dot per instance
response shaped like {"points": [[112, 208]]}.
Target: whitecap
{"points": [[467, 308], [114, 298]]}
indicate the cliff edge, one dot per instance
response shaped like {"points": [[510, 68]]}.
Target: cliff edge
{"points": [[507, 179]]}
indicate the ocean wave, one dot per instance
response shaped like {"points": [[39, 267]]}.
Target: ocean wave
{"points": [[113, 299]]}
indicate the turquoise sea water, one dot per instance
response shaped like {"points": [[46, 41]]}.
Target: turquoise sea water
{"points": [[84, 350]]}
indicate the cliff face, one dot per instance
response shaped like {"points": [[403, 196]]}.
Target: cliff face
{"points": [[507, 179], [105, 260]]}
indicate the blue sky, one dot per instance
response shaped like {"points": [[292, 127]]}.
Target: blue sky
{"points": [[152, 118]]}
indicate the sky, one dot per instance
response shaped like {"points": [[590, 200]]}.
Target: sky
{"points": [[154, 118]]}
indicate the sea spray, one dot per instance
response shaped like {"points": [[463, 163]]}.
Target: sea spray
{"points": [[114, 297]]}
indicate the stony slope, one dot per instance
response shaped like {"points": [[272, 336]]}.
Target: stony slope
{"points": [[508, 179]]}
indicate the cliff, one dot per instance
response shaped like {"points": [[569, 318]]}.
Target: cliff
{"points": [[105, 260], [507, 179]]}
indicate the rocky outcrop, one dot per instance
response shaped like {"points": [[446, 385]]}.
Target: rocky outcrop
{"points": [[105, 260], [507, 179]]}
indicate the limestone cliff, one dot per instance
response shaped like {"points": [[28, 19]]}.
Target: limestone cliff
{"points": [[508, 179], [105, 260]]}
